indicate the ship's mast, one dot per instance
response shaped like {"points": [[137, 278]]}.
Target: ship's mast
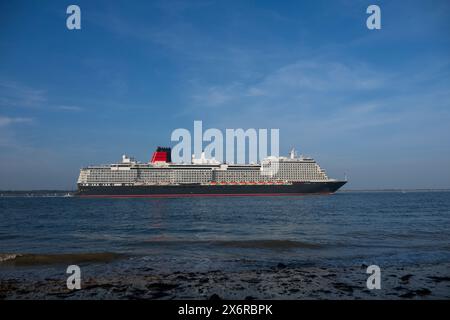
{"points": [[292, 154]]}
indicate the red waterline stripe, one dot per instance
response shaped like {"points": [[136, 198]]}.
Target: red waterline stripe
{"points": [[188, 195]]}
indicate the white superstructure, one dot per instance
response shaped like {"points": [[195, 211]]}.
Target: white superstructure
{"points": [[272, 170]]}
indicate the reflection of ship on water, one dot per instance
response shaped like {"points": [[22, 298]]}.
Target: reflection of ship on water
{"points": [[160, 177]]}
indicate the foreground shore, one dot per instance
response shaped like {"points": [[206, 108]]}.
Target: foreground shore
{"points": [[278, 282]]}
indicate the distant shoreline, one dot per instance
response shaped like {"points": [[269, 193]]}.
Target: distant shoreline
{"points": [[43, 192]]}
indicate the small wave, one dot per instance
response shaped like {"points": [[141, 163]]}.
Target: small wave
{"points": [[8, 256], [256, 244], [65, 258], [268, 244]]}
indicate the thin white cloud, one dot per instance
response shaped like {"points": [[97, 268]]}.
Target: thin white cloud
{"points": [[329, 99], [69, 108], [301, 83], [18, 95], [218, 95], [7, 121], [14, 94]]}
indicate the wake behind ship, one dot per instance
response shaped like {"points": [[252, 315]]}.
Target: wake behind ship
{"points": [[160, 177]]}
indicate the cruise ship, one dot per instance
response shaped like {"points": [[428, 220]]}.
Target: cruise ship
{"points": [[288, 176]]}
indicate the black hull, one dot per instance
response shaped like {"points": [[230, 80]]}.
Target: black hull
{"points": [[210, 190]]}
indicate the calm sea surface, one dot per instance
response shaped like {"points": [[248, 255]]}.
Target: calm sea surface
{"points": [[349, 228]]}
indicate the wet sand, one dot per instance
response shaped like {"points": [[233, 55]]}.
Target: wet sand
{"points": [[278, 282]]}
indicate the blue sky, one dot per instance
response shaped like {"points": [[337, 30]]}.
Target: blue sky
{"points": [[373, 104]]}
